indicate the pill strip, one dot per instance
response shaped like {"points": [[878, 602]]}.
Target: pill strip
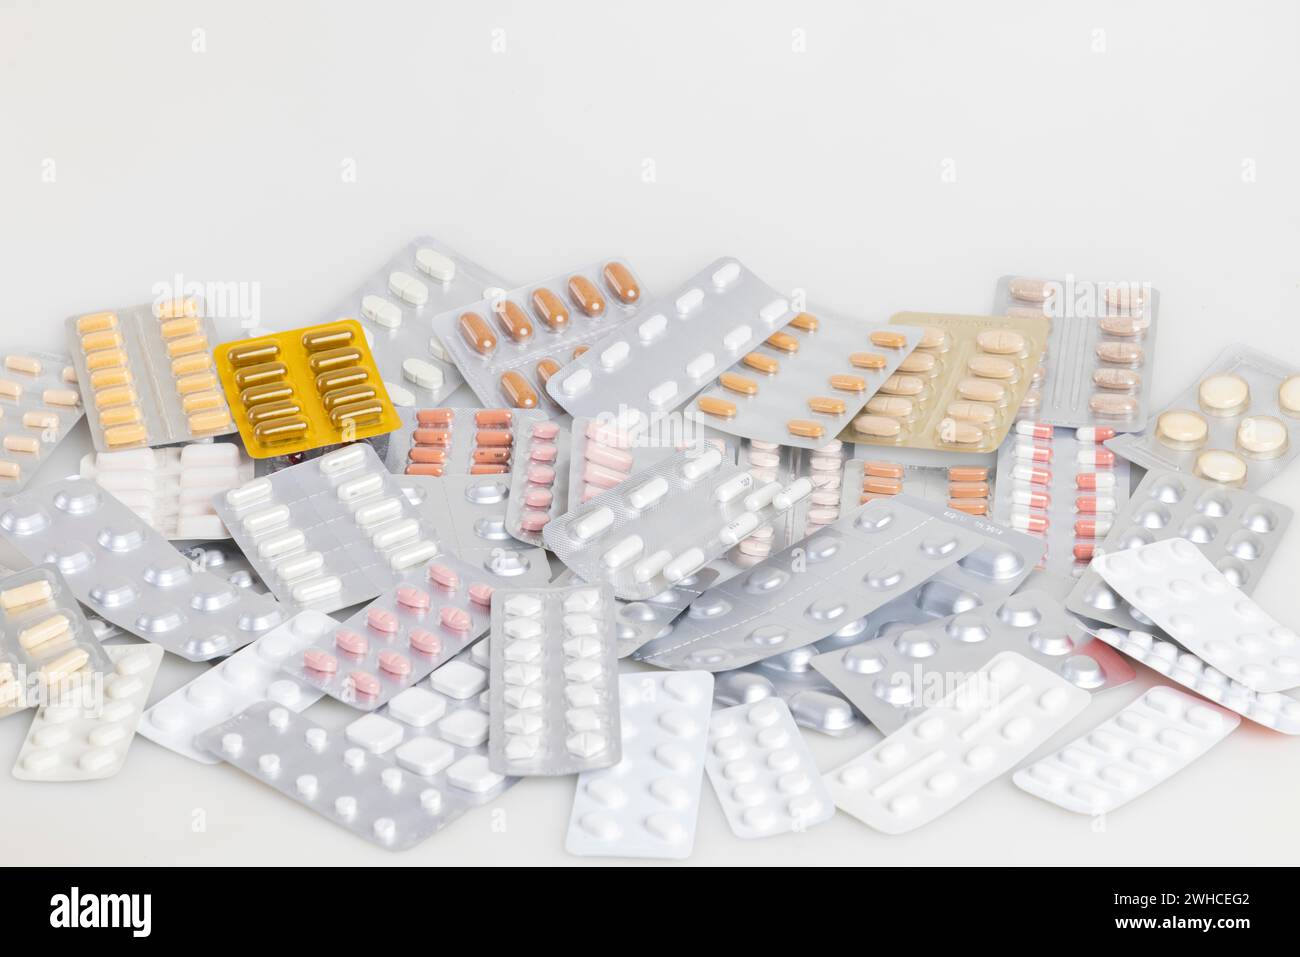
{"points": [[889, 680], [647, 805], [1238, 531], [1100, 356], [963, 401], [454, 441], [539, 487], [403, 635], [1273, 710], [329, 532], [147, 375], [769, 462], [305, 389], [250, 675], [965, 488], [605, 453], [666, 522], [762, 771], [638, 622], [1237, 424], [1175, 586], [813, 701], [172, 489], [970, 736], [40, 402], [677, 345], [554, 681], [1127, 755], [508, 346], [396, 305]]}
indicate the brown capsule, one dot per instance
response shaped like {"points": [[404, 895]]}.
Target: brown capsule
{"points": [[805, 429], [417, 469], [252, 353], [848, 383], [867, 360], [550, 309], [273, 410], [353, 393], [261, 394], [259, 374], [517, 390], [580, 351], [322, 339], [513, 321], [968, 473], [279, 431], [826, 406], [479, 468], [435, 416], [357, 413], [476, 333], [436, 438], [805, 322], [586, 296], [783, 341], [492, 418], [882, 470], [491, 456], [427, 454], [971, 506], [719, 407], [888, 339], [545, 369], [761, 363], [340, 378], [334, 358], [738, 383], [621, 282], [1117, 380]]}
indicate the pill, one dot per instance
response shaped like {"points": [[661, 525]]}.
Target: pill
{"points": [[932, 337], [968, 489], [623, 552], [1121, 326], [592, 524], [106, 359], [867, 360], [621, 282], [66, 664], [684, 564], [1095, 458], [888, 338], [1093, 504], [1029, 452], [646, 494], [1119, 406], [513, 321], [96, 322], [547, 431], [652, 565], [848, 383], [1032, 290], [826, 406], [805, 428], [805, 321], [1024, 472], [701, 465], [971, 506], [336, 398], [903, 385], [1288, 395], [1094, 481], [260, 374], [957, 432], [1262, 435], [21, 443], [543, 452], [517, 390], [738, 528], [700, 366], [1097, 527], [120, 415], [357, 413], [280, 430], [1121, 353], [476, 333], [1001, 342], [334, 358], [981, 390], [120, 435], [738, 383], [1223, 394], [115, 395], [1083, 551], [796, 491], [257, 414], [1093, 435], [877, 426], [586, 296], [1028, 522], [185, 345], [891, 405], [992, 367], [783, 341], [918, 363], [762, 363], [876, 485], [774, 310], [1124, 296], [329, 339], [882, 469], [734, 487], [108, 339], [1117, 380], [199, 382], [550, 309], [1181, 429], [46, 630], [41, 420], [1217, 465], [968, 473], [1036, 430], [614, 355], [715, 406]]}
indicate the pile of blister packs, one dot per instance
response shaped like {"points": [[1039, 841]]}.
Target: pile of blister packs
{"points": [[575, 528]]}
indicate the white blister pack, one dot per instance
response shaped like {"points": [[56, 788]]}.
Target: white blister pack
{"points": [[675, 347], [539, 486], [762, 771], [1122, 758], [1178, 588], [85, 737], [329, 532], [40, 402], [647, 804], [976, 733], [172, 489], [554, 681], [252, 674]]}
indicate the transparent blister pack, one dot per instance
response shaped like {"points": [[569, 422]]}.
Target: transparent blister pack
{"points": [[648, 804], [1238, 424], [965, 488], [1127, 755], [128, 574], [40, 402], [172, 489], [396, 305], [1238, 531], [975, 733], [1101, 343], [554, 681], [1178, 589], [251, 674], [675, 347], [606, 452], [539, 486], [803, 384], [451, 441], [814, 702], [146, 375], [893, 679], [329, 532], [509, 346]]}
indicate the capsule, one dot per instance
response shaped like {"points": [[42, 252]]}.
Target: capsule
{"points": [[971, 506], [805, 322], [201, 423], [1094, 435], [621, 282], [848, 383], [108, 339], [173, 328], [876, 485], [356, 413], [783, 341], [258, 394], [1094, 481], [280, 430], [545, 369], [1092, 527], [968, 489], [273, 410], [888, 339], [740, 384], [805, 428], [1028, 522], [715, 406], [252, 353], [185, 345], [761, 363], [121, 415], [517, 390], [333, 379], [106, 378], [1096, 458], [867, 360], [334, 358], [514, 322], [1117, 380], [174, 308], [826, 406], [261, 373], [120, 435], [427, 455], [476, 333], [194, 362], [96, 322], [550, 309], [1094, 504], [587, 297], [118, 395], [327, 339], [198, 401], [353, 393], [1034, 430], [968, 473], [105, 359], [883, 469]]}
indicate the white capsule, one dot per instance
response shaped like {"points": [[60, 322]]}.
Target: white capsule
{"points": [[643, 496], [592, 524], [685, 563], [647, 568], [622, 553], [702, 464], [762, 496], [342, 460], [356, 488], [737, 485], [794, 492], [299, 565], [281, 543], [316, 589], [265, 519], [738, 528], [384, 510], [410, 555], [249, 494], [395, 533]]}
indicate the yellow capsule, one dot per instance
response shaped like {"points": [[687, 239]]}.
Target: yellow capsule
{"points": [[96, 322], [805, 321], [176, 308], [279, 431], [341, 378], [762, 363], [41, 420], [103, 378], [783, 341], [334, 358], [120, 435], [194, 362], [258, 394], [173, 328], [187, 344], [273, 410], [353, 393], [210, 420], [826, 406], [27, 365], [120, 415], [320, 340], [108, 339], [357, 413], [260, 374], [21, 443], [105, 359], [117, 395], [199, 382], [202, 400], [251, 353]]}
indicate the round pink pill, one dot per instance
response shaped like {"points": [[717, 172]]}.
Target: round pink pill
{"points": [[444, 576], [480, 594], [538, 497], [365, 683], [425, 641], [394, 663], [409, 597], [531, 520], [545, 430], [351, 642], [541, 475], [457, 619], [381, 619], [314, 659], [542, 453]]}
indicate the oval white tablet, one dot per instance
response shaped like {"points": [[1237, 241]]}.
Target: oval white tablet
{"points": [[381, 312], [435, 264]]}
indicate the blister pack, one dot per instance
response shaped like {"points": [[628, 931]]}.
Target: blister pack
{"points": [[396, 305], [304, 389], [768, 463], [127, 573], [975, 733], [606, 452], [44, 635], [647, 804], [554, 681], [403, 635], [1122, 758], [966, 488], [1178, 588], [146, 375], [814, 702], [1097, 368], [1237, 425], [637, 622], [676, 346], [666, 523], [762, 771], [1272, 710], [251, 674], [969, 375], [40, 402], [539, 488], [172, 489], [509, 346], [1238, 531], [892, 680], [821, 366], [329, 532], [446, 441]]}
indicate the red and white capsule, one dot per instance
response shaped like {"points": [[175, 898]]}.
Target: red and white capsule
{"points": [[1034, 476], [1094, 481], [1092, 527], [1030, 497], [1029, 452], [1094, 504], [1083, 551], [1034, 430], [1093, 435], [1027, 521], [1096, 458]]}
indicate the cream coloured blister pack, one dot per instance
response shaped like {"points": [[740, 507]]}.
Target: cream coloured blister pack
{"points": [[40, 402], [396, 306], [1238, 531], [892, 679], [125, 572], [554, 681], [329, 532], [675, 347], [1098, 365], [814, 702], [454, 441], [539, 486], [251, 674]]}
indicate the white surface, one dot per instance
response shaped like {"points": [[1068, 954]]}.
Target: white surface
{"points": [[822, 170]]}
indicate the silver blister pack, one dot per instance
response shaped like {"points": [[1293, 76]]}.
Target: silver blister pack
{"points": [[636, 622], [395, 307], [1238, 531], [675, 347], [508, 345], [1101, 345], [329, 532], [1238, 424], [40, 402], [815, 703], [127, 573], [453, 441], [604, 453], [539, 485], [965, 488], [892, 680], [555, 703]]}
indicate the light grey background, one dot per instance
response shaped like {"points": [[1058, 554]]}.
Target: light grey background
{"points": [[881, 156]]}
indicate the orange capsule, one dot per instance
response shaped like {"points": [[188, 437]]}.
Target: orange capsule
{"points": [[491, 456], [967, 473], [518, 392], [106, 359], [719, 407], [968, 489], [427, 454], [971, 506], [583, 292], [476, 333], [762, 363], [888, 339], [867, 360], [513, 321], [826, 406], [621, 282], [550, 309], [805, 429], [882, 469], [434, 470], [580, 351], [848, 383], [479, 468], [96, 322], [495, 438], [490, 418], [435, 416], [805, 322], [738, 383], [783, 341], [437, 438], [547, 368], [878, 485], [107, 339]]}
